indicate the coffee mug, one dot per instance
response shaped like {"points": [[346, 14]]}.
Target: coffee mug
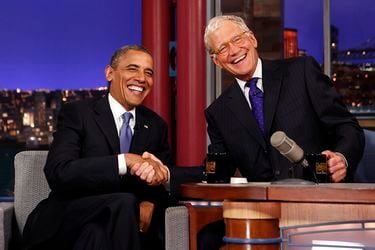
{"points": [[318, 166], [217, 168]]}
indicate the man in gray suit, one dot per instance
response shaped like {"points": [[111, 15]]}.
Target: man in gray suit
{"points": [[106, 195], [292, 95]]}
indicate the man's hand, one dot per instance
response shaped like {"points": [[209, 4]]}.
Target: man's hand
{"points": [[148, 168], [161, 171], [146, 210], [336, 165]]}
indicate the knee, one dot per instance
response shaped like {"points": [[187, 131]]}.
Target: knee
{"points": [[125, 201]]}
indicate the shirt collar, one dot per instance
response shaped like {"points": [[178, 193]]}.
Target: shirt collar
{"points": [[257, 74], [117, 109]]}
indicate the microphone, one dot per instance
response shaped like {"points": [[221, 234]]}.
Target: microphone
{"points": [[288, 148]]}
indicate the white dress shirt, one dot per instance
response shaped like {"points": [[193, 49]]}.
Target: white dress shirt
{"points": [[117, 111], [257, 74]]}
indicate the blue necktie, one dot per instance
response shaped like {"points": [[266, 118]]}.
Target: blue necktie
{"points": [[125, 132], [256, 100]]}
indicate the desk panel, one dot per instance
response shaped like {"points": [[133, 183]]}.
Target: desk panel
{"points": [[203, 191]]}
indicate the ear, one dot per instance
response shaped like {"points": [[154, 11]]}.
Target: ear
{"points": [[216, 61], [108, 73], [253, 40]]}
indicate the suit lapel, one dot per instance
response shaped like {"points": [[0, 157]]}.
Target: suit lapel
{"points": [[240, 108], [104, 119], [272, 81], [141, 131]]}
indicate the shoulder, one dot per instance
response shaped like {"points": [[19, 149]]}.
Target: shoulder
{"points": [[302, 61], [222, 99], [83, 105], [83, 109], [150, 115]]}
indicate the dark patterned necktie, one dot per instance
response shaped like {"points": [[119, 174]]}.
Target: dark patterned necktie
{"points": [[125, 133], [256, 100]]}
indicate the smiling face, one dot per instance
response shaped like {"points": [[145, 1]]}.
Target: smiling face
{"points": [[131, 78], [241, 57]]}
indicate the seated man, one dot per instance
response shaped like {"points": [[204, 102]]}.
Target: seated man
{"points": [[106, 168], [291, 95]]}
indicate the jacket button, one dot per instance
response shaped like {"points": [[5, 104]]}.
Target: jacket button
{"points": [[277, 172]]}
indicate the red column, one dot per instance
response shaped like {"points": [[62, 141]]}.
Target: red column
{"points": [[155, 37], [191, 83]]}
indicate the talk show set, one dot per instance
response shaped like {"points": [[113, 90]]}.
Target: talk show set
{"points": [[217, 125]]}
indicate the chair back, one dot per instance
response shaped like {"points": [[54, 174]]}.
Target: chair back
{"points": [[30, 184], [366, 171]]}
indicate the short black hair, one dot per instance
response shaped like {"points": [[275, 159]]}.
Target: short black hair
{"points": [[123, 50]]}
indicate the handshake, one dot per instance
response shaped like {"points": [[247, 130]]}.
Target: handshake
{"points": [[148, 168]]}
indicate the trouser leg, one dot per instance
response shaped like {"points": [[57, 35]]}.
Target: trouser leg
{"points": [[112, 218]]}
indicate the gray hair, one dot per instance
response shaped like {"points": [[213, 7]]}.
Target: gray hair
{"points": [[216, 22], [123, 50]]}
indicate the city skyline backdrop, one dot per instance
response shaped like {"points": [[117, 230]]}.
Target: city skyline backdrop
{"points": [[66, 45]]}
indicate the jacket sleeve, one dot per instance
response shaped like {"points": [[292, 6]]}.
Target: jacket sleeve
{"points": [[71, 171]]}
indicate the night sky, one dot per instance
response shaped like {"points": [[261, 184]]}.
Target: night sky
{"points": [[355, 20], [63, 44], [66, 44]]}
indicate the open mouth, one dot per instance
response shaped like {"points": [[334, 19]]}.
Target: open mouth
{"points": [[239, 59], [136, 89]]}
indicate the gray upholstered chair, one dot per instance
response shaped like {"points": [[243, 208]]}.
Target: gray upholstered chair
{"points": [[6, 213], [31, 187], [366, 169], [177, 228]]}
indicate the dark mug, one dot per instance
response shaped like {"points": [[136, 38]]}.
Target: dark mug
{"points": [[318, 166], [217, 168]]}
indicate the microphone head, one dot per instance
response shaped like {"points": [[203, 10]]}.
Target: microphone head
{"points": [[287, 147]]}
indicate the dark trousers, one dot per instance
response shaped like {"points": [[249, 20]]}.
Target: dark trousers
{"points": [[103, 222], [210, 237]]}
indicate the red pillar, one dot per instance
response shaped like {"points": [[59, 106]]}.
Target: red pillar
{"points": [[191, 83], [156, 37]]}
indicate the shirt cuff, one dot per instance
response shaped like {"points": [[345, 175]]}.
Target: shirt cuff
{"points": [[167, 185], [122, 169]]}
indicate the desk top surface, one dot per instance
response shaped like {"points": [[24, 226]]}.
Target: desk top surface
{"points": [[330, 192]]}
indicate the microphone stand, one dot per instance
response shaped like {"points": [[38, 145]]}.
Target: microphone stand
{"points": [[297, 181]]}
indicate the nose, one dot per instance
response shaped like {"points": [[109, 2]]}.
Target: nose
{"points": [[140, 76], [232, 49]]}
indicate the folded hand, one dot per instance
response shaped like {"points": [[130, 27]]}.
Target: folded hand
{"points": [[148, 168]]}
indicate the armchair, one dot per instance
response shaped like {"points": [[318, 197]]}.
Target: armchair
{"points": [[365, 170], [31, 187]]}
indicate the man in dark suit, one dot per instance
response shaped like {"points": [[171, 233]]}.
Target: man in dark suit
{"points": [[294, 97], [104, 197]]}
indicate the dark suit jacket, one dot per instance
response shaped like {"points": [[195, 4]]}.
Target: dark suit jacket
{"points": [[82, 161], [299, 100]]}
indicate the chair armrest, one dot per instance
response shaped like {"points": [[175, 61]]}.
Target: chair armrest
{"points": [[6, 215], [177, 228]]}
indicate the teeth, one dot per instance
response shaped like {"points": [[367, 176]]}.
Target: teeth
{"points": [[239, 59], [135, 88]]}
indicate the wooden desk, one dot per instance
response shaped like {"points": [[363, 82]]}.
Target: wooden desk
{"points": [[294, 207]]}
